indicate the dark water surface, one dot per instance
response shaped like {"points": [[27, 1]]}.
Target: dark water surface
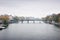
{"points": [[37, 31]]}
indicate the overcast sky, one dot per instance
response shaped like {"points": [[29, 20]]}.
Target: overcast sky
{"points": [[34, 8]]}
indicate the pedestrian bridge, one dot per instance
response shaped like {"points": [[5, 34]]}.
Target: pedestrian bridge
{"points": [[28, 20]]}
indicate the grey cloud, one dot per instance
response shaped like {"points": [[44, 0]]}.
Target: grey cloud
{"points": [[14, 3]]}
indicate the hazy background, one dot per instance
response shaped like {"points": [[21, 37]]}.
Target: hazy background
{"points": [[34, 8]]}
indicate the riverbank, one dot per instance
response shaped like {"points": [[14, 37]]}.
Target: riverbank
{"points": [[57, 24], [53, 23]]}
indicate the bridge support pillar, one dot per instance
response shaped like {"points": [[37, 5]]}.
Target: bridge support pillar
{"points": [[21, 21], [33, 21], [28, 21], [39, 22]]}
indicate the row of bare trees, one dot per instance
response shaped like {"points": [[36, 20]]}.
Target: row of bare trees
{"points": [[53, 17]]}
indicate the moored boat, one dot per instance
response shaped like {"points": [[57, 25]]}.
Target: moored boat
{"points": [[2, 28]]}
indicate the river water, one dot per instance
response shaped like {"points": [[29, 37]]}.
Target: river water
{"points": [[31, 31]]}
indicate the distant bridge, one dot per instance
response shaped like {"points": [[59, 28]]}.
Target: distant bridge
{"points": [[22, 20]]}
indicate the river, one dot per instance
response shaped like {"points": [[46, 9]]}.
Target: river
{"points": [[31, 31]]}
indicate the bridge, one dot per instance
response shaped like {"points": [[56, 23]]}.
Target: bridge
{"points": [[29, 19]]}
